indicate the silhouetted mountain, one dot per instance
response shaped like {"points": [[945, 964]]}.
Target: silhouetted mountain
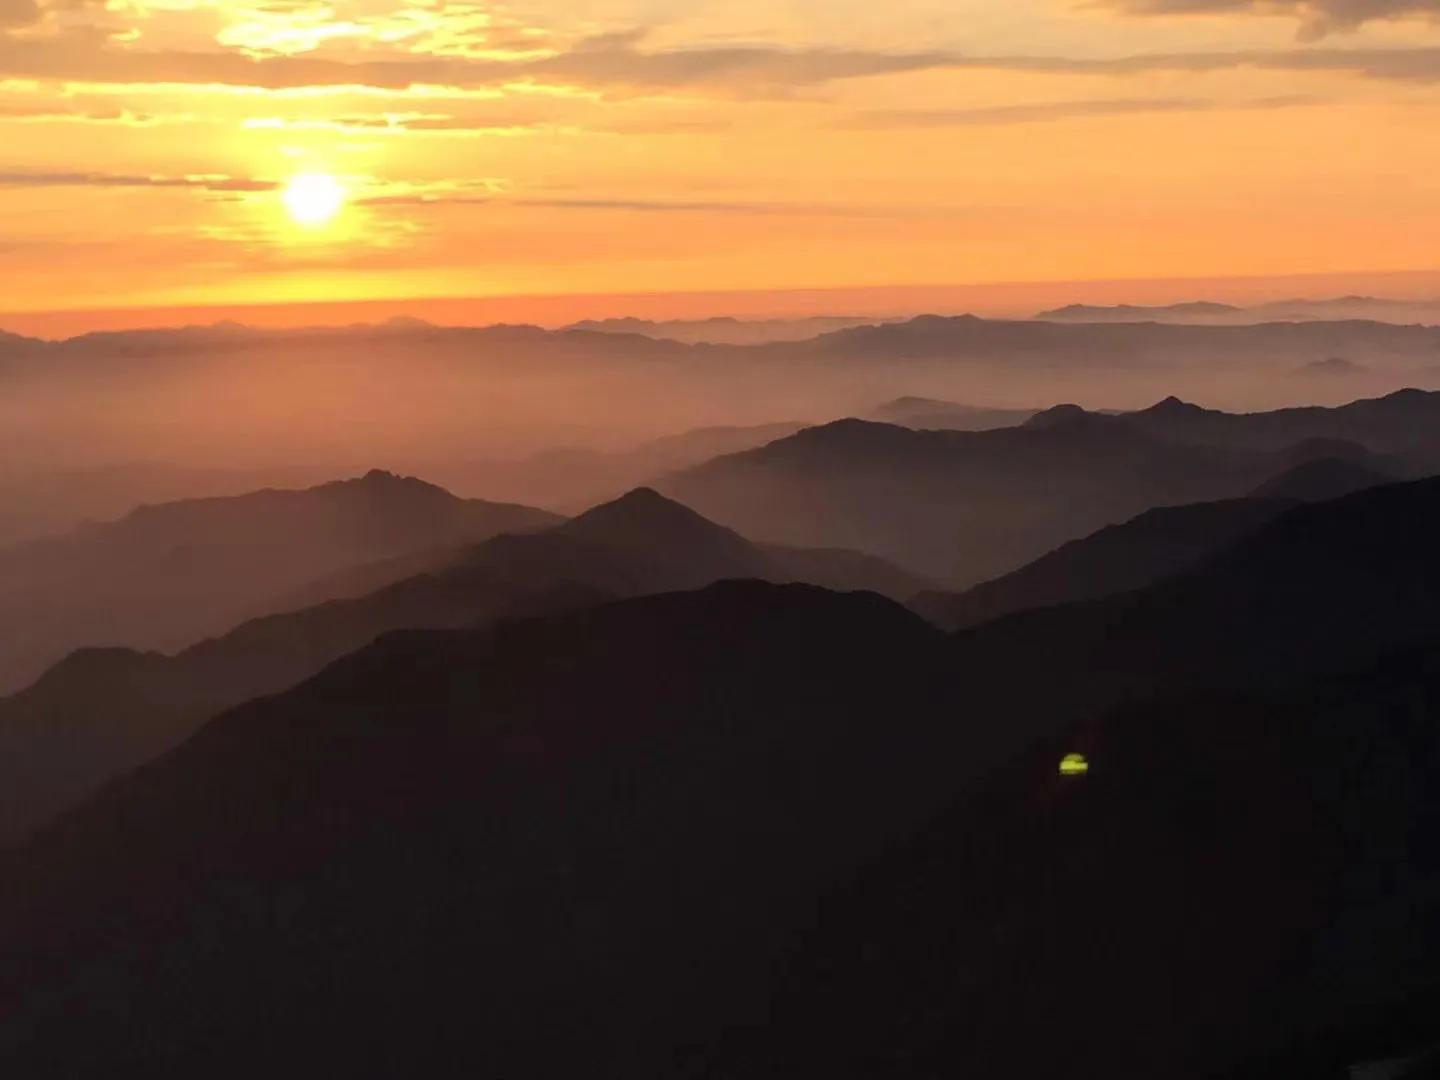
{"points": [[1058, 416], [666, 533], [17, 344], [1245, 882], [42, 502], [962, 506], [447, 848], [1381, 309], [1119, 558], [167, 575], [1163, 346], [100, 713], [1324, 478], [1195, 311], [928, 413], [620, 823], [1246, 875], [1204, 312], [1161, 542], [724, 330], [1323, 586], [538, 390], [1406, 422]]}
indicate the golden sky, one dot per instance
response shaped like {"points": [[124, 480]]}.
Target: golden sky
{"points": [[618, 146]]}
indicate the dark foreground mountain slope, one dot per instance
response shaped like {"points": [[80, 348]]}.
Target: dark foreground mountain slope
{"points": [[1242, 885], [1325, 586], [102, 712], [554, 848], [1119, 558], [960, 506], [587, 844], [168, 575]]}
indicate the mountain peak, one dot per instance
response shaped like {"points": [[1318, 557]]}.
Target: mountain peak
{"points": [[383, 484], [682, 548], [644, 515], [1173, 406], [1057, 415]]}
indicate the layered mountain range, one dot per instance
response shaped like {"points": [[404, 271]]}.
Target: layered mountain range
{"points": [[1101, 744], [618, 823]]}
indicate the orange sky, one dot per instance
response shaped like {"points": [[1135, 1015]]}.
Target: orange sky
{"points": [[589, 148]]}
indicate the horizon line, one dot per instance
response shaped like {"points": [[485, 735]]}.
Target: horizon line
{"points": [[994, 299]]}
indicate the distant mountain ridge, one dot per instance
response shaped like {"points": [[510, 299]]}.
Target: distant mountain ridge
{"points": [[167, 575], [726, 330], [1197, 310], [1168, 345], [567, 480], [1201, 312], [1157, 544], [1077, 328], [1119, 558], [963, 507]]}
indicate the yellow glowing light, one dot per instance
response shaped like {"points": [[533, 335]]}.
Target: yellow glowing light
{"points": [[313, 198], [1074, 765]]}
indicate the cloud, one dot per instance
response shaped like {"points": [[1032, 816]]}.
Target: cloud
{"points": [[112, 180], [999, 115], [1317, 17], [15, 13], [648, 206], [409, 123], [616, 65], [642, 206], [122, 117], [610, 63], [1420, 64]]}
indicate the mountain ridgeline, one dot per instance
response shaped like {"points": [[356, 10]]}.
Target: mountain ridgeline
{"points": [[1025, 743], [167, 575], [101, 712], [964, 507], [621, 819]]}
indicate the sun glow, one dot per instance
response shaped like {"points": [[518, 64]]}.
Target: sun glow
{"points": [[313, 198]]}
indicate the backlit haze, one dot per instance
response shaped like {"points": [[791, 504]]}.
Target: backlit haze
{"points": [[150, 152]]}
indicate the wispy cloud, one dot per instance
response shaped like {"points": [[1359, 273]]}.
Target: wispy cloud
{"points": [[1317, 17], [658, 206], [1045, 112], [619, 65], [406, 123], [644, 206], [121, 117], [113, 180]]}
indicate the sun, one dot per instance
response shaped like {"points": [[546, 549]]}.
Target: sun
{"points": [[313, 198]]}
